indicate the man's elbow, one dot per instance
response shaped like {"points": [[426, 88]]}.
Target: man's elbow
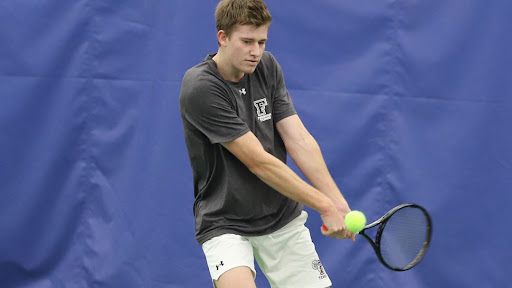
{"points": [[304, 143], [259, 164], [256, 167]]}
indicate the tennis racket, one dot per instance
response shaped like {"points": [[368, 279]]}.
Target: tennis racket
{"points": [[402, 237]]}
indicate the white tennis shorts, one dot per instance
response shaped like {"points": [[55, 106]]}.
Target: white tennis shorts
{"points": [[287, 257]]}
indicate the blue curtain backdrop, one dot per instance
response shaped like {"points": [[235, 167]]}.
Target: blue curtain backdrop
{"points": [[410, 101]]}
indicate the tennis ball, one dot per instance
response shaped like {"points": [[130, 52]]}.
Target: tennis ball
{"points": [[355, 221]]}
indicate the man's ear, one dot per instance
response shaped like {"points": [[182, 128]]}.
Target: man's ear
{"points": [[222, 37]]}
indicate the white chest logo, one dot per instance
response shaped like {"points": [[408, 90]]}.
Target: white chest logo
{"points": [[242, 92], [261, 109]]}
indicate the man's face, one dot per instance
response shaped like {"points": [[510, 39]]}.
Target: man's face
{"points": [[245, 46]]}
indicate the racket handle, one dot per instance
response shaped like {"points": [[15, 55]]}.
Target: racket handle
{"points": [[324, 227]]}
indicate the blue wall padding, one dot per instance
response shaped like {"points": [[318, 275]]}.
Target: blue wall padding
{"points": [[411, 101]]}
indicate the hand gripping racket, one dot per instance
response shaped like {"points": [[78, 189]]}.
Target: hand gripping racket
{"points": [[403, 236]]}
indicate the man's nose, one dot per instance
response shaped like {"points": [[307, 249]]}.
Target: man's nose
{"points": [[255, 50]]}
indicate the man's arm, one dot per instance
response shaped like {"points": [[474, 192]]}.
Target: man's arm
{"points": [[279, 176], [306, 153]]}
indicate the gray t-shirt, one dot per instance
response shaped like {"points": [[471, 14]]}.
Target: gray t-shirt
{"points": [[228, 197]]}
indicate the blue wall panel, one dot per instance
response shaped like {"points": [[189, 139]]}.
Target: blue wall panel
{"points": [[409, 100]]}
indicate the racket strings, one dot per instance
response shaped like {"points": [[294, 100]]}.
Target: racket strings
{"points": [[404, 239]]}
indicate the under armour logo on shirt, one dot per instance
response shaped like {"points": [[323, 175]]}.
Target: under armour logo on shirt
{"points": [[242, 91]]}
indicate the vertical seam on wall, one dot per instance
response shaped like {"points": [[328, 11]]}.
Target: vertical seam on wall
{"points": [[85, 149], [397, 93], [392, 91], [386, 128]]}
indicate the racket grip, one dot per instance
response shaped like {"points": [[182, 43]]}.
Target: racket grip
{"points": [[324, 227]]}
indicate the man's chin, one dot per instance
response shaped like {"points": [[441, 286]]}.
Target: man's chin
{"points": [[250, 70]]}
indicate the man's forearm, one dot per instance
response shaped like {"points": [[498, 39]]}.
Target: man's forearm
{"points": [[276, 174], [279, 176], [308, 157]]}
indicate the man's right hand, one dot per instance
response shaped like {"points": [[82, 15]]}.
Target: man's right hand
{"points": [[335, 224]]}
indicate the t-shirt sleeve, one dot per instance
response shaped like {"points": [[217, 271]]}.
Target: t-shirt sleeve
{"points": [[208, 108], [283, 105]]}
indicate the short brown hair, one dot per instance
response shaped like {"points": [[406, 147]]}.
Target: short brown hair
{"points": [[230, 13]]}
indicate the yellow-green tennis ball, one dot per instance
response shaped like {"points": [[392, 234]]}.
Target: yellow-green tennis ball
{"points": [[355, 221]]}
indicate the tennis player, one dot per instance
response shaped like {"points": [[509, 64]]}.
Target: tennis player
{"points": [[239, 124]]}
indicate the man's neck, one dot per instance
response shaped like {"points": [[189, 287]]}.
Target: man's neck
{"points": [[227, 70]]}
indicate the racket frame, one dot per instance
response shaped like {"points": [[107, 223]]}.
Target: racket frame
{"points": [[382, 224]]}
